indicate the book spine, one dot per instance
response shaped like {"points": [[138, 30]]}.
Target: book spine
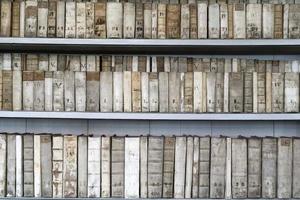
{"points": [[38, 91], [147, 20], [161, 21], [268, 21], [28, 165], [6, 23], [202, 20], [19, 166], [173, 21], [80, 91], [106, 91], [31, 14], [15, 20], [92, 91], [180, 162], [239, 24], [198, 91], [189, 167], [105, 166], [188, 92], [129, 20], [69, 90], [277, 92], [100, 20], [174, 90], [7, 103], [291, 91], [94, 168], [211, 91], [219, 99], [248, 92], [295, 171], [17, 90], [224, 21], [80, 20], [43, 62], [46, 166], [278, 21], [90, 18], [57, 166], [42, 19], [139, 20], [153, 92], [136, 91], [185, 22], [154, 18], [254, 167], [28, 90], [127, 91], [196, 153], [11, 170], [163, 83], [236, 92], [52, 13], [48, 91], [70, 25], [204, 167], [144, 167], [214, 21], [145, 91], [60, 21], [293, 21], [82, 166], [114, 19], [3, 164], [168, 167], [37, 166], [254, 21]]}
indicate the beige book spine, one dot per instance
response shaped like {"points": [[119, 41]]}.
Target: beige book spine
{"points": [[38, 91], [69, 90], [195, 179], [19, 166], [154, 18], [180, 164], [291, 91], [46, 168], [293, 18], [285, 21], [254, 167], [58, 91], [139, 20], [43, 62], [37, 166], [214, 21], [211, 91], [22, 19], [127, 91], [80, 91], [106, 91], [52, 14], [145, 91], [219, 92], [105, 166], [189, 167], [239, 21], [153, 92], [254, 21], [136, 91], [147, 20], [143, 166], [168, 167], [228, 176], [118, 92], [31, 14], [163, 83], [268, 21], [193, 21], [6, 13], [173, 20], [28, 90], [89, 20], [42, 19], [48, 91], [52, 62], [230, 21], [114, 20], [204, 167], [129, 20], [278, 21], [202, 20], [268, 92], [17, 90], [3, 164], [295, 171], [198, 91], [80, 20], [92, 91], [224, 21], [15, 20], [7, 87], [185, 22], [57, 166], [161, 21], [61, 17], [277, 92], [70, 25], [100, 20], [188, 92], [82, 166], [94, 166], [174, 90], [11, 170], [236, 92]]}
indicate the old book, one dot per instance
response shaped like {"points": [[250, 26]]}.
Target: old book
{"points": [[105, 166], [94, 168], [218, 167], [154, 18], [70, 25], [42, 19], [118, 91], [51, 18], [293, 18], [91, 65], [173, 21], [57, 166], [236, 92], [228, 173], [106, 63], [202, 20], [58, 91], [48, 91], [291, 91], [22, 18], [189, 167], [163, 91], [11, 166], [114, 19], [32, 62], [197, 88], [80, 20], [92, 91], [179, 171], [90, 18], [219, 92], [155, 166], [254, 21], [31, 14], [19, 166], [278, 21], [69, 90], [261, 89], [127, 91], [295, 171], [174, 89], [153, 92], [211, 94], [60, 19], [82, 166], [188, 92], [37, 166], [38, 91], [7, 61], [28, 90], [239, 168], [269, 167], [285, 27], [43, 62], [80, 91], [117, 166], [100, 20], [214, 21], [3, 164], [204, 167], [106, 91], [285, 158], [254, 168], [15, 19], [224, 21], [70, 167], [17, 90], [129, 20], [52, 62], [136, 91], [7, 87], [145, 91], [6, 13], [161, 21], [248, 92], [277, 92], [268, 21], [143, 166], [195, 179], [132, 158], [230, 8], [185, 21], [239, 18], [139, 20], [46, 166], [147, 21], [193, 21], [168, 166]]}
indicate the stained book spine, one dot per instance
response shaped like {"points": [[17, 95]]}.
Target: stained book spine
{"points": [[94, 172], [57, 166], [105, 166], [179, 172], [46, 167], [28, 165], [168, 167]]}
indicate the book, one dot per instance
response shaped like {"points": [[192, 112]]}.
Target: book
{"points": [[132, 157], [82, 166], [188, 92], [295, 172], [48, 91], [19, 166], [196, 161], [114, 15], [214, 21], [239, 18], [179, 170], [127, 91], [218, 167], [38, 91], [155, 166], [161, 21], [145, 92], [106, 91], [193, 21], [278, 21], [202, 20], [173, 20], [204, 165], [254, 21], [147, 21], [268, 21], [28, 90], [3, 164], [46, 165], [189, 167], [236, 92], [57, 166], [277, 92], [168, 167], [60, 19], [80, 91], [94, 167], [31, 21], [92, 91], [153, 92], [117, 166], [219, 96], [90, 19], [185, 21], [17, 90], [136, 91], [143, 166], [80, 19], [198, 91], [293, 18], [15, 19], [154, 19], [129, 20], [6, 16], [11, 170], [105, 166], [70, 25], [100, 20], [42, 19], [37, 166], [139, 20], [69, 91], [269, 167], [229, 170], [211, 91], [51, 18], [291, 91], [163, 90], [223, 21]]}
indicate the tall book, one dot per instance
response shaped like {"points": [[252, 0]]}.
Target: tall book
{"points": [[118, 91], [37, 166], [114, 15], [28, 90], [7, 98], [136, 91], [224, 21], [70, 25], [239, 18], [38, 91], [254, 167], [11, 166], [42, 19], [69, 90], [163, 83], [46, 166], [58, 91], [269, 167], [92, 91], [82, 166], [127, 91], [277, 92], [211, 91], [60, 19], [174, 89], [268, 21], [173, 21], [139, 20], [31, 14], [239, 168], [197, 88], [185, 21], [188, 92], [15, 20], [202, 20], [105, 166], [80, 20], [204, 167], [70, 167], [154, 17], [293, 21], [236, 92], [3, 162], [57, 166], [291, 91], [144, 167], [278, 21], [195, 179], [219, 96], [254, 21], [132, 157], [94, 168], [17, 90], [19, 166], [6, 13], [161, 21], [129, 20], [285, 164], [52, 14], [106, 91], [153, 92], [179, 171], [48, 91], [193, 21], [296, 165], [100, 20], [218, 167], [90, 18], [28, 165], [214, 21], [117, 166], [145, 91], [147, 20], [189, 167], [168, 167], [80, 91]]}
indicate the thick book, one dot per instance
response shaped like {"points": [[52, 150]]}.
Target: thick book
{"points": [[136, 91], [147, 20], [60, 18], [15, 19], [218, 167], [3, 164], [277, 92], [163, 83], [139, 20], [291, 91], [38, 91], [143, 166], [236, 92], [31, 14], [51, 18], [153, 92], [69, 90], [17, 90], [106, 91], [254, 21], [117, 167], [28, 90], [117, 91], [161, 21], [80, 91], [70, 25], [185, 21], [42, 19], [48, 91], [168, 167], [129, 20], [293, 21], [269, 167], [239, 18], [6, 23], [202, 20], [82, 166], [70, 167], [132, 158], [180, 164], [105, 166], [155, 166], [100, 20], [92, 91], [254, 167], [80, 20], [268, 21], [223, 21], [239, 168], [114, 15], [204, 167], [90, 18], [189, 167], [46, 166], [173, 21], [94, 168], [211, 91], [11, 170], [57, 166], [197, 87], [285, 164], [214, 21], [295, 171], [43, 62]]}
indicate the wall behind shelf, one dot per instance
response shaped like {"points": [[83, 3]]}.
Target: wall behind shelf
{"points": [[136, 127]]}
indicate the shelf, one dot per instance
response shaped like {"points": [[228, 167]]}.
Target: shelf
{"points": [[35, 198], [151, 116], [152, 46]]}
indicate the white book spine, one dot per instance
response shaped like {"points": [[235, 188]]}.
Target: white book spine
{"points": [[198, 92], [37, 166], [144, 167], [189, 167], [3, 152], [80, 91], [22, 18], [17, 90], [118, 92], [94, 172], [180, 161], [57, 166], [202, 20], [105, 167], [19, 166]]}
